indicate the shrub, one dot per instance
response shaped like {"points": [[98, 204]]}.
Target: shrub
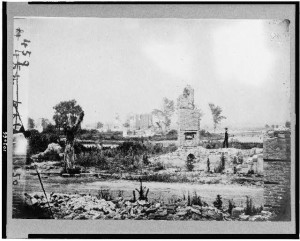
{"points": [[234, 160], [250, 209], [190, 162], [218, 202], [196, 200], [220, 168], [142, 191], [38, 142], [231, 205], [104, 194], [92, 159], [158, 166]]}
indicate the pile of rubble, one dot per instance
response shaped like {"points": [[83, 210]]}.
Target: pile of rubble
{"points": [[53, 151], [82, 206]]}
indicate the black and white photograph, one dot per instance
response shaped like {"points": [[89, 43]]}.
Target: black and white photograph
{"points": [[161, 119]]}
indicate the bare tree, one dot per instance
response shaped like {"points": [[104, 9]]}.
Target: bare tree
{"points": [[164, 115]]}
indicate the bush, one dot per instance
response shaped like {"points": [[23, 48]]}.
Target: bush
{"points": [[194, 200], [250, 209], [190, 162], [158, 166], [92, 159], [231, 206], [38, 142], [104, 194], [218, 203], [220, 168]]}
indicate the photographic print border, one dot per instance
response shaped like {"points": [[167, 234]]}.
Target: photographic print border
{"points": [[60, 10]]}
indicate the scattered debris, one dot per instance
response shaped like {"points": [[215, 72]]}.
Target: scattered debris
{"points": [[82, 207]]}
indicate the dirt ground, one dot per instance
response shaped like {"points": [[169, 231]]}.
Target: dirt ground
{"points": [[211, 185]]}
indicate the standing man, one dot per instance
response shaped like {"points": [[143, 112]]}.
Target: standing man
{"points": [[225, 143], [70, 131], [208, 165]]}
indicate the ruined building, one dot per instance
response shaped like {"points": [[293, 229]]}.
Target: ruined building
{"points": [[140, 122], [188, 119]]}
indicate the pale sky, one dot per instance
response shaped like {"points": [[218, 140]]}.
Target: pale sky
{"points": [[128, 65]]}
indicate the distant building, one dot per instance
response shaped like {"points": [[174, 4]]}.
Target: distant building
{"points": [[117, 125], [41, 124], [140, 122], [145, 121]]}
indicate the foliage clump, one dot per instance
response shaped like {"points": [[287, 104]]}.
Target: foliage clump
{"points": [[190, 162], [231, 206], [250, 209], [216, 113], [218, 202]]}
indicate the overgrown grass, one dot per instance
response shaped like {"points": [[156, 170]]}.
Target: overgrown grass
{"points": [[129, 156]]}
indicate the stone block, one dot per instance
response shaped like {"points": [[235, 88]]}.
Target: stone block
{"points": [[244, 217], [236, 212]]}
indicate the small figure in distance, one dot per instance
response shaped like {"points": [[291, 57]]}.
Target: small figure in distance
{"points": [[208, 165], [225, 143]]}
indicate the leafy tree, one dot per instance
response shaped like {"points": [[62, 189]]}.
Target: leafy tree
{"points": [[216, 113], [160, 118], [50, 128], [267, 126], [288, 124], [65, 108], [168, 107], [99, 125], [164, 115], [30, 124]]}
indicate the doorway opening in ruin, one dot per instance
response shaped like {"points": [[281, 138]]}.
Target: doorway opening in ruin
{"points": [[189, 135]]}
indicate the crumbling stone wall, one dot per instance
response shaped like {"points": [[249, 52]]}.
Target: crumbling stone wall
{"points": [[188, 119], [277, 175], [277, 172], [277, 145]]}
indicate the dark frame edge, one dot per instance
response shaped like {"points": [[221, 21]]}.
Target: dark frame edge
{"points": [[163, 236], [4, 118], [160, 2], [297, 116]]}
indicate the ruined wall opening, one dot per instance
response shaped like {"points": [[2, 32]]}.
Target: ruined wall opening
{"points": [[189, 135]]}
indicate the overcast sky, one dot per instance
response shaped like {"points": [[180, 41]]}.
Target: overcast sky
{"points": [[128, 65]]}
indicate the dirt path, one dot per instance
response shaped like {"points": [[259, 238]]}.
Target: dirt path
{"points": [[158, 190]]}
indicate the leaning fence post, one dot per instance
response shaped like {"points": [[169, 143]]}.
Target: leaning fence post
{"points": [[43, 189]]}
